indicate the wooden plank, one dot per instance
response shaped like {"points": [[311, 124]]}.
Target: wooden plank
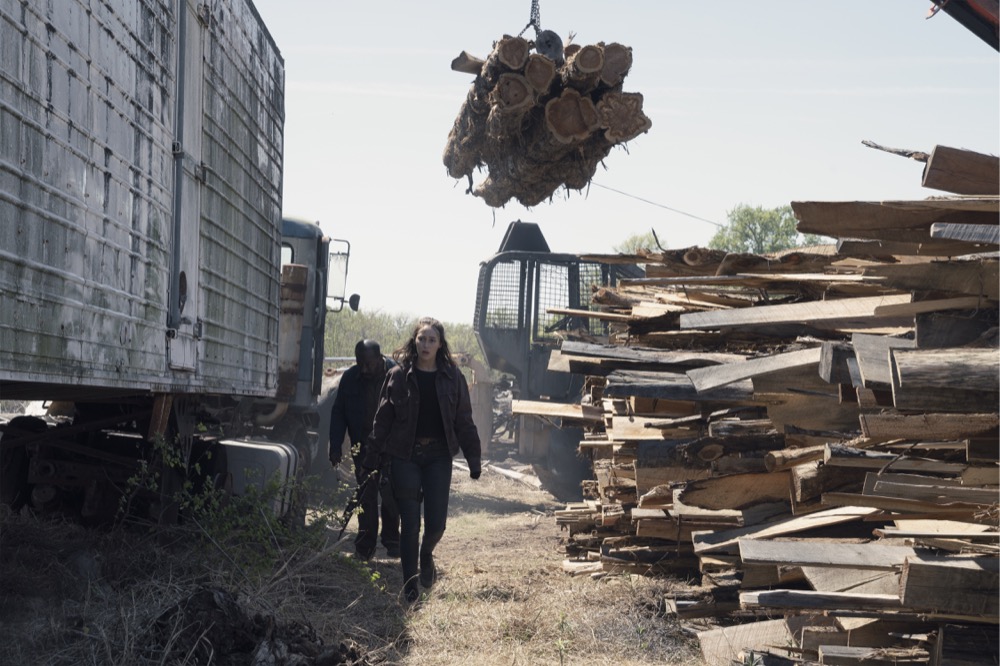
{"points": [[692, 359], [907, 221], [631, 428], [811, 480], [847, 456], [981, 234], [557, 409], [976, 369], [939, 494], [833, 362], [845, 655], [859, 581], [932, 426], [872, 354], [961, 171], [846, 310], [963, 586], [872, 479], [647, 478], [590, 314], [558, 362], [720, 647], [642, 406], [711, 377], [811, 600], [737, 491], [728, 540], [938, 305], [751, 515], [894, 533], [973, 278], [952, 510], [824, 554], [887, 249], [672, 386]]}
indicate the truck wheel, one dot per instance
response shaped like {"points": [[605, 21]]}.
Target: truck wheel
{"points": [[14, 490], [295, 517]]}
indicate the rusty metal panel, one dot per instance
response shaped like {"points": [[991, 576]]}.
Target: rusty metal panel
{"points": [[242, 145], [89, 251]]}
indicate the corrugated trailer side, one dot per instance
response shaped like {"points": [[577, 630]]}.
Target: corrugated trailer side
{"points": [[140, 198]]}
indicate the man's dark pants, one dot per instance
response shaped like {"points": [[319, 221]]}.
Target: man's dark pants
{"points": [[369, 513]]}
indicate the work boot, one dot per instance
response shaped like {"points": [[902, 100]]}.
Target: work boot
{"points": [[411, 592], [392, 550], [428, 574]]}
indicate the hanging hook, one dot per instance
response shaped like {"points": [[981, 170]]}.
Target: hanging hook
{"points": [[547, 42]]}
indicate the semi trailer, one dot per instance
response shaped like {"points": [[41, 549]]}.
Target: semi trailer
{"points": [[151, 293]]}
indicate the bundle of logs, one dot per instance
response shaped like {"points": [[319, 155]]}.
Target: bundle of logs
{"points": [[539, 121]]}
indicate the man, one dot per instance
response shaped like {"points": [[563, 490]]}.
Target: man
{"points": [[353, 413]]}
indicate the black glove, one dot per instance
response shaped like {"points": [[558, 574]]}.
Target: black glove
{"points": [[475, 469]]}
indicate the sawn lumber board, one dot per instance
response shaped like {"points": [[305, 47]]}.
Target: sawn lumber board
{"points": [[719, 375], [844, 309]]}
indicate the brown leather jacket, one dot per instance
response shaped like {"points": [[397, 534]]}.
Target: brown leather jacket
{"points": [[395, 426]]}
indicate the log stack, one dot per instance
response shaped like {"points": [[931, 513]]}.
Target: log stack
{"points": [[814, 435], [536, 124]]}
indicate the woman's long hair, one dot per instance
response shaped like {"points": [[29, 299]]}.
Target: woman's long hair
{"points": [[406, 356]]}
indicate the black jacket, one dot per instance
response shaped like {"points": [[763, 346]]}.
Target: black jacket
{"points": [[349, 410], [395, 426]]}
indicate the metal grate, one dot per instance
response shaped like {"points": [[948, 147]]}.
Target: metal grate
{"points": [[503, 309], [567, 286]]}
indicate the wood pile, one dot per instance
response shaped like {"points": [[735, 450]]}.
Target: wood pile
{"points": [[539, 121], [814, 436]]}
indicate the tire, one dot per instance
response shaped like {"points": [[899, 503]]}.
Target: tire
{"points": [[14, 490]]}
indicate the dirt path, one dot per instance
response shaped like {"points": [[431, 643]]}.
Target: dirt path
{"points": [[502, 597]]}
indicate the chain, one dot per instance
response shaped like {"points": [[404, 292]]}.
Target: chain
{"points": [[536, 19]]}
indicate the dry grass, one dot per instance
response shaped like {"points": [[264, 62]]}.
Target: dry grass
{"points": [[503, 599], [75, 596]]}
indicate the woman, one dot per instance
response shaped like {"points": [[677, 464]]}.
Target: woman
{"points": [[424, 417]]}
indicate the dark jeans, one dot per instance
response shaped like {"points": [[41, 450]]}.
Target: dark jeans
{"points": [[424, 478], [369, 512]]}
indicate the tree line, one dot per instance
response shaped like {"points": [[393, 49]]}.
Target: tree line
{"points": [[345, 328]]}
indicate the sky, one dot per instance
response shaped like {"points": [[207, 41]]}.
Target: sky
{"points": [[752, 103]]}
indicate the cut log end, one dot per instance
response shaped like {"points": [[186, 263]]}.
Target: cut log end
{"points": [[513, 52], [512, 93], [540, 71], [588, 59], [621, 116], [571, 117], [617, 63]]}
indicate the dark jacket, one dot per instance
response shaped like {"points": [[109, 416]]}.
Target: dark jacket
{"points": [[395, 427], [349, 409]]}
